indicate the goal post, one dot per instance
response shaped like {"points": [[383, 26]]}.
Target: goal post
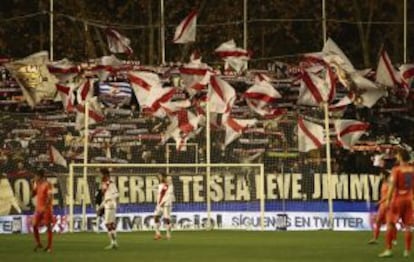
{"points": [[231, 188]]}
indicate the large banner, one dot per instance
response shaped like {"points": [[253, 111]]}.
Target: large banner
{"points": [[234, 198], [128, 222]]}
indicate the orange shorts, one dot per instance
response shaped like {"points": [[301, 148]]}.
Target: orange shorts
{"points": [[43, 218], [401, 208]]}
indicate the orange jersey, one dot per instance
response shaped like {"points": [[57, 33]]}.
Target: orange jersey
{"points": [[43, 192], [403, 177]]}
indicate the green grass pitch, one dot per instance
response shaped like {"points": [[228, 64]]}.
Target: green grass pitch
{"points": [[211, 246]]}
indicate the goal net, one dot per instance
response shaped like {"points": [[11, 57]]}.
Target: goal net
{"points": [[218, 196]]}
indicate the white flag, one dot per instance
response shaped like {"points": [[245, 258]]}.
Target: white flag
{"points": [[314, 90], [186, 30], [56, 157], [348, 132], [33, 77], [310, 136], [118, 43]]}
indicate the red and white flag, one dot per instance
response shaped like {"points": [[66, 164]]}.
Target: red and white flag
{"points": [[386, 74], [222, 95], [234, 56], [407, 74], [56, 157], [310, 136], [85, 90], [315, 90], [95, 113], [235, 127], [183, 124], [67, 95], [348, 132], [107, 65], [260, 96], [186, 30], [149, 92], [118, 43], [195, 74], [64, 70]]}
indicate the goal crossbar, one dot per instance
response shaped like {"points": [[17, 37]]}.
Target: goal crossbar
{"points": [[72, 166]]}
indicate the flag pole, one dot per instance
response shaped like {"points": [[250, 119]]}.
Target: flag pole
{"points": [[328, 163], [51, 30], [405, 31], [208, 159], [162, 32], [245, 12], [85, 162], [324, 21]]}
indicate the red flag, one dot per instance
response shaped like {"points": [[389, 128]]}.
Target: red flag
{"points": [[186, 30], [348, 132], [310, 136], [118, 43]]}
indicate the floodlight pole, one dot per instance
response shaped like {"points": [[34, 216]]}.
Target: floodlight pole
{"points": [[245, 12], [405, 31], [324, 21], [162, 32], [51, 30]]}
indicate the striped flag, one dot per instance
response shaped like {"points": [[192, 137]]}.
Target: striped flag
{"points": [[386, 74], [195, 74], [260, 96], [235, 127], [84, 91], [64, 70], [222, 95], [348, 132], [315, 90], [95, 113], [310, 136], [67, 95], [107, 65], [407, 74], [115, 93], [118, 43], [235, 57], [149, 92], [186, 30]]}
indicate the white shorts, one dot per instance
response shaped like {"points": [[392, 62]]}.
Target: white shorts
{"points": [[110, 213], [164, 211]]}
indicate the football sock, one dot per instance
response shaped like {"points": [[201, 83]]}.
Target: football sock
{"points": [[36, 235], [408, 239], [49, 237]]}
